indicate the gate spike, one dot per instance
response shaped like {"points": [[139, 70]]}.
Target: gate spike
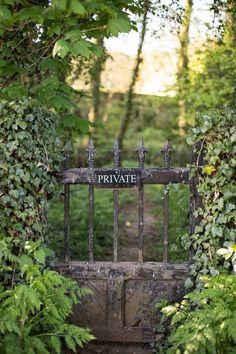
{"points": [[167, 151], [141, 153], [116, 154], [91, 152], [66, 159]]}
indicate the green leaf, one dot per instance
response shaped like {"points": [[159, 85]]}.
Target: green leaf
{"points": [[60, 4], [5, 13], [81, 48], [25, 260], [76, 7], [117, 25], [39, 255], [61, 48]]}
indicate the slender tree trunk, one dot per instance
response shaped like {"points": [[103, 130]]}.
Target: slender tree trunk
{"points": [[95, 72], [183, 61], [130, 95], [230, 23]]}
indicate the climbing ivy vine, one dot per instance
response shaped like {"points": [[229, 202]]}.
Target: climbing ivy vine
{"points": [[217, 133], [29, 151], [35, 301]]}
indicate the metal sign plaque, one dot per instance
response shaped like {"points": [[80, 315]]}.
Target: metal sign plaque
{"points": [[117, 178]]}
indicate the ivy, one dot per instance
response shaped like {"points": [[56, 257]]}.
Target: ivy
{"points": [[217, 133], [35, 301], [29, 151]]}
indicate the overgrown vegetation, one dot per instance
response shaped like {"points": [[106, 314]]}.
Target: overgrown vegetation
{"points": [[217, 133], [35, 301], [205, 321]]}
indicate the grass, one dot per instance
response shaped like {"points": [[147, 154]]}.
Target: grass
{"points": [[103, 222]]}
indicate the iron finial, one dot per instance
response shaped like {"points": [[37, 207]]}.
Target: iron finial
{"points": [[167, 151], [141, 153], [91, 152], [116, 154]]}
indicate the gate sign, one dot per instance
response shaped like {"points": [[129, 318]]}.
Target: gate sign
{"points": [[117, 178]]}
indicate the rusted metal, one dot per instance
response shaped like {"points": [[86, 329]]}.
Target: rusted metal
{"points": [[91, 154], [122, 307], [66, 211], [147, 175], [116, 163], [141, 160], [166, 151]]}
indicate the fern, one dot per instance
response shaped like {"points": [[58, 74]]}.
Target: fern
{"points": [[35, 304]]}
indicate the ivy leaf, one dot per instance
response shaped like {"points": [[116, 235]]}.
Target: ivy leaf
{"points": [[61, 48], [209, 169]]}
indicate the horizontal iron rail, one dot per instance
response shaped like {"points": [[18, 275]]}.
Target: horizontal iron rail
{"points": [[147, 175]]}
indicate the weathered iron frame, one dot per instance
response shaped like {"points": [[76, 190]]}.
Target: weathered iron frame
{"points": [[164, 176]]}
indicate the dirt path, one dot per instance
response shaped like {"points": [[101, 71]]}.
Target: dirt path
{"points": [[129, 231]]}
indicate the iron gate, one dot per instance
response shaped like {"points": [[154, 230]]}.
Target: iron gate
{"points": [[122, 308]]}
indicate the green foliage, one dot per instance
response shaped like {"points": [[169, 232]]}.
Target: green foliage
{"points": [[29, 151], [41, 40], [205, 321], [35, 302], [217, 133], [212, 79]]}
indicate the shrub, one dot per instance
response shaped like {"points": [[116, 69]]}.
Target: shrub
{"points": [[217, 133], [34, 301], [205, 321]]}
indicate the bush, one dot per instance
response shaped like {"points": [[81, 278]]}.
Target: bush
{"points": [[217, 133], [205, 321], [34, 301]]}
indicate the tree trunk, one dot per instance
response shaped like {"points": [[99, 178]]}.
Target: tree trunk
{"points": [[230, 23], [129, 101], [95, 72], [183, 60]]}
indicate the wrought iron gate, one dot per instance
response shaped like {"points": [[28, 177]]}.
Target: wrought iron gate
{"points": [[122, 308]]}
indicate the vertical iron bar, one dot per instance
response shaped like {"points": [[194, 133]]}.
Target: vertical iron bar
{"points": [[141, 159], [66, 211], [167, 150], [116, 163], [91, 153]]}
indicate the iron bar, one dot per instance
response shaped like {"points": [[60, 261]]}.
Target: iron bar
{"points": [[116, 163], [141, 160], [167, 150], [91, 154], [66, 211]]}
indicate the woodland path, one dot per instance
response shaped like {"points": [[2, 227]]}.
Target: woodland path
{"points": [[129, 231]]}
